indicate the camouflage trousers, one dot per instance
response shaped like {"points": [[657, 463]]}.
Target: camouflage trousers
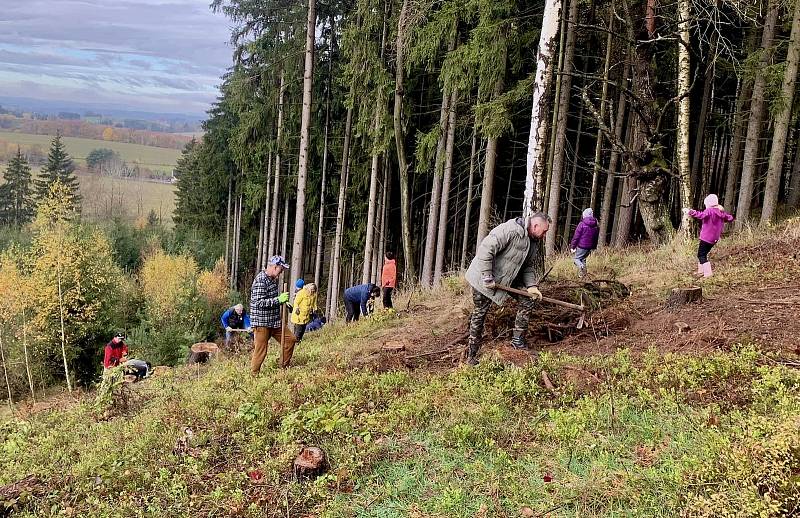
{"points": [[483, 303]]}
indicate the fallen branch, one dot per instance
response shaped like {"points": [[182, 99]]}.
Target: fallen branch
{"points": [[547, 383]]}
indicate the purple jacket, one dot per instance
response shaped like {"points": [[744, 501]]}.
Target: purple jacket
{"points": [[713, 221], [586, 234]]}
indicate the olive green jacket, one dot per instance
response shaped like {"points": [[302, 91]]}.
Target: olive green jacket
{"points": [[510, 256]]}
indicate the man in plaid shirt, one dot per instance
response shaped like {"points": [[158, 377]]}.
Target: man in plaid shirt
{"points": [[265, 314]]}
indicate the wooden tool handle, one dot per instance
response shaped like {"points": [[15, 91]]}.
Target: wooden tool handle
{"points": [[556, 302]]}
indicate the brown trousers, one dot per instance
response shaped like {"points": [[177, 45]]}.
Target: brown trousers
{"points": [[260, 344]]}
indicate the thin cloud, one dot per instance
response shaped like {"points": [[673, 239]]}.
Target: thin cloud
{"points": [[155, 55]]}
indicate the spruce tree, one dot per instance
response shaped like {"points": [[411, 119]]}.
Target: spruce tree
{"points": [[59, 167], [17, 204]]}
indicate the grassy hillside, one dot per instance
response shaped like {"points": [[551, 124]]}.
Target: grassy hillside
{"points": [[597, 430], [155, 158], [105, 197]]}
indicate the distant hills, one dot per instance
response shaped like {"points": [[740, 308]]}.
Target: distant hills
{"points": [[104, 113]]}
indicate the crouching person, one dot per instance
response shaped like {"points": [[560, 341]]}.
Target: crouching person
{"points": [[509, 255]]}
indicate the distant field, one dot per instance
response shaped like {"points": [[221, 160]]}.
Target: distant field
{"points": [[154, 158], [105, 197]]}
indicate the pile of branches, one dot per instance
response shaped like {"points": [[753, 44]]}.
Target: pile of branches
{"points": [[550, 323]]}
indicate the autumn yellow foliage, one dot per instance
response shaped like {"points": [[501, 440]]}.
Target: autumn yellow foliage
{"points": [[169, 286], [213, 285]]}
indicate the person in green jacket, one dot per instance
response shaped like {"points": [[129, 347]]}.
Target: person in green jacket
{"points": [[510, 255]]}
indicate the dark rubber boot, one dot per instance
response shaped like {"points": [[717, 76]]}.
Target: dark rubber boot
{"points": [[518, 342], [472, 352]]}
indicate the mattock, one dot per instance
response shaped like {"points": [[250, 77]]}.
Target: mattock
{"points": [[548, 300]]}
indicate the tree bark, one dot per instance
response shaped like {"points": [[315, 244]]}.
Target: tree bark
{"points": [[734, 162], [572, 179], [598, 148], [561, 129], [687, 178], [608, 192], [441, 239], [782, 120], [545, 186], [468, 208], [285, 232], [436, 193], [333, 278], [298, 243], [265, 223], [27, 357], [5, 372], [756, 118], [63, 330], [399, 137], [538, 133], [321, 222], [228, 227], [273, 243], [793, 198]]}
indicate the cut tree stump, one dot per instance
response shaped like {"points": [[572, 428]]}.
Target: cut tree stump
{"points": [[202, 352], [310, 463], [394, 346], [682, 296]]}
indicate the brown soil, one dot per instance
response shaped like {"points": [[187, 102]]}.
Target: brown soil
{"points": [[763, 311]]}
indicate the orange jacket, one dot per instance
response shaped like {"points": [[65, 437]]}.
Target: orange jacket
{"points": [[389, 274]]}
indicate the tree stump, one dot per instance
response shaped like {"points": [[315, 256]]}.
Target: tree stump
{"points": [[201, 352], [682, 296], [310, 463]]}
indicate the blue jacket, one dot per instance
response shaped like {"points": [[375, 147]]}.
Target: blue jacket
{"points": [[359, 295], [315, 324], [226, 318]]}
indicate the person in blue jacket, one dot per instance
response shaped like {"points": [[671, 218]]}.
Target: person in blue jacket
{"points": [[235, 317], [356, 298]]}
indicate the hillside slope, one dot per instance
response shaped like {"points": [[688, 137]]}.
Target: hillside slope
{"points": [[651, 420]]}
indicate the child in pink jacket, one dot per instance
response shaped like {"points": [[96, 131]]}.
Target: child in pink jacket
{"points": [[713, 220]]}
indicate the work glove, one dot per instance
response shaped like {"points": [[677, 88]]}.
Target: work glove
{"points": [[685, 210], [534, 292], [488, 281], [283, 298], [229, 329]]}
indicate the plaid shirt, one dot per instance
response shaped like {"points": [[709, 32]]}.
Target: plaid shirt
{"points": [[265, 310]]}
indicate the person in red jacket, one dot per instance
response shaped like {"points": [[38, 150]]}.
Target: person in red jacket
{"points": [[388, 279], [116, 351]]}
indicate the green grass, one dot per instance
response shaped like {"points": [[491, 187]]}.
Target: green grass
{"points": [[150, 157], [649, 435], [105, 197]]}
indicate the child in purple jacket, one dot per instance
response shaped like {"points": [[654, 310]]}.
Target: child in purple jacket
{"points": [[584, 240], [713, 221]]}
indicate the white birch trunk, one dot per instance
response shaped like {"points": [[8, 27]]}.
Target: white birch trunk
{"points": [[684, 85], [541, 84]]}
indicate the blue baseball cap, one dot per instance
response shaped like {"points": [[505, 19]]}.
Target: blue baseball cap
{"points": [[278, 260], [299, 283]]}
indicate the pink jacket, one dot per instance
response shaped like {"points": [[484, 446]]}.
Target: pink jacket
{"points": [[713, 219]]}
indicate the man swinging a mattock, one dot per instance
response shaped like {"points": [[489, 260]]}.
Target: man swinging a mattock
{"points": [[510, 255]]}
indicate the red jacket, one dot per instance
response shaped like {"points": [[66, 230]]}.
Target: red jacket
{"points": [[114, 353], [389, 274]]}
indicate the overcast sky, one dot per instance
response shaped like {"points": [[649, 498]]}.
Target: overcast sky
{"points": [[163, 56]]}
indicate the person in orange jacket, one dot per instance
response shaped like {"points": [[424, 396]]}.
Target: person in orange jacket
{"points": [[388, 279]]}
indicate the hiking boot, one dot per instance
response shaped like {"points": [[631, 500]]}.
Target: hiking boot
{"points": [[518, 343], [471, 352], [581, 272]]}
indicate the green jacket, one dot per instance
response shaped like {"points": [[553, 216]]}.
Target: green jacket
{"points": [[511, 256]]}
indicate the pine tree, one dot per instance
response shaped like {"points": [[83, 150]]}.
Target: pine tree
{"points": [[17, 205], [59, 167]]}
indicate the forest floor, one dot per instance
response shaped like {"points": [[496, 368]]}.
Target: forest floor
{"points": [[646, 411]]}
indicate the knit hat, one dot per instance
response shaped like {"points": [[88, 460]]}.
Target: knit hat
{"points": [[588, 213], [299, 283], [711, 201]]}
